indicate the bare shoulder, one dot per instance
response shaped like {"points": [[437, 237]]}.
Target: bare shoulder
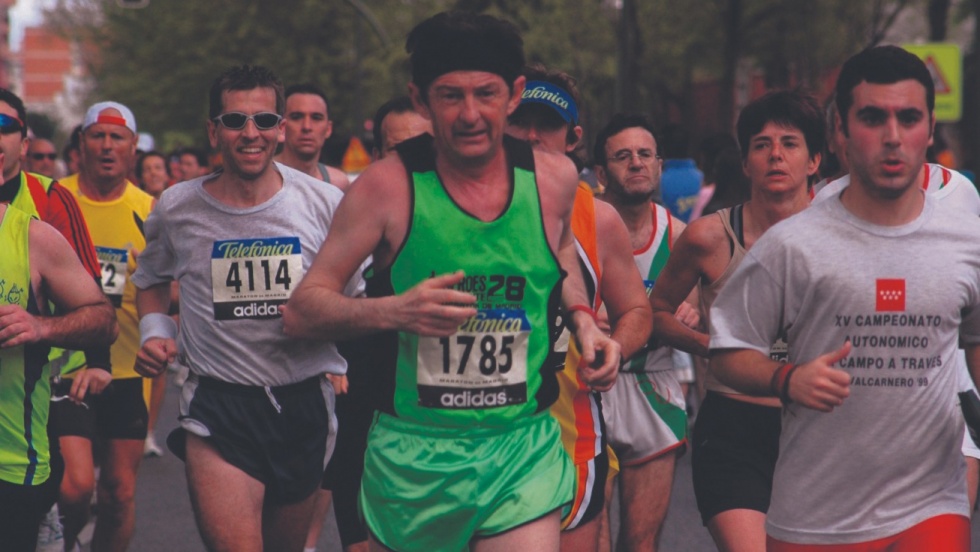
{"points": [[383, 182], [338, 178], [557, 178], [704, 237], [607, 219]]}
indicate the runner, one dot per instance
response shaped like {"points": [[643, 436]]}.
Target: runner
{"points": [[548, 118], [736, 436], [872, 329], [468, 377], [308, 126], [645, 412], [38, 266], [257, 423]]}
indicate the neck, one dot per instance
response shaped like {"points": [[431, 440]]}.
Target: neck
{"points": [[764, 210], [864, 203], [101, 190], [638, 216], [305, 165], [235, 191]]}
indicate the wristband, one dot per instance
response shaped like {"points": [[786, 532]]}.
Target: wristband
{"points": [[157, 325], [779, 384], [581, 308]]}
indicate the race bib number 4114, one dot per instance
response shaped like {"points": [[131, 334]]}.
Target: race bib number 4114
{"points": [[483, 365], [250, 278]]}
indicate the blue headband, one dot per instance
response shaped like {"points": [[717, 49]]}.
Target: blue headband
{"points": [[552, 96]]}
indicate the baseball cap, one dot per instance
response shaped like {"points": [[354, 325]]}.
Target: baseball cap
{"points": [[553, 96], [97, 114]]}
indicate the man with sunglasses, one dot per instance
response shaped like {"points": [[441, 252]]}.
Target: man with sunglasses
{"points": [[466, 228], [114, 209], [257, 420], [41, 157]]}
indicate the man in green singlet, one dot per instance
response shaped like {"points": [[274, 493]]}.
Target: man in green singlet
{"points": [[469, 234]]}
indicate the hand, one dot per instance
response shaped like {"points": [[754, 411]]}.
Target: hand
{"points": [[432, 308], [88, 381], [820, 386], [19, 327], [339, 383], [154, 356], [688, 315], [600, 359]]}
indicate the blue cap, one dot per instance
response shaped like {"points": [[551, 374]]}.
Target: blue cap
{"points": [[552, 96]]}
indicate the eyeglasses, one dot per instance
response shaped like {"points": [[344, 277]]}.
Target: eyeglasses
{"points": [[10, 124], [237, 121], [43, 156], [626, 156]]}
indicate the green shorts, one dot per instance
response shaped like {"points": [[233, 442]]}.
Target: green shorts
{"points": [[428, 488]]}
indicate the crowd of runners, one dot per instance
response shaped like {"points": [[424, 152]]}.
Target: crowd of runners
{"points": [[471, 344]]}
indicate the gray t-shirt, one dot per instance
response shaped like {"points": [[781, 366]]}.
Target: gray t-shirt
{"points": [[235, 267], [889, 457]]}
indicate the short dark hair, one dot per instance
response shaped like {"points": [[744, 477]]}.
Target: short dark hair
{"points": [[200, 156], [790, 108], [14, 101], [244, 77], [619, 123], [307, 88], [880, 65], [464, 41], [401, 104], [142, 159]]}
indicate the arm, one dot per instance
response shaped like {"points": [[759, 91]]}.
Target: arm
{"points": [[557, 181], [371, 218], [676, 282], [88, 318], [338, 178], [153, 307], [65, 215], [621, 286], [815, 384]]}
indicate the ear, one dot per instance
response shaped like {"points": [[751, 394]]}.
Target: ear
{"points": [[417, 102], [515, 97], [212, 134], [578, 138], [600, 174], [932, 128], [813, 164], [329, 128]]}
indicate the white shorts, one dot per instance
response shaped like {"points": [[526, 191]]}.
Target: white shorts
{"points": [[683, 366], [645, 416]]}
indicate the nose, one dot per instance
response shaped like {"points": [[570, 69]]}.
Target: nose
{"points": [[891, 133], [250, 130], [532, 136], [776, 152], [469, 113]]}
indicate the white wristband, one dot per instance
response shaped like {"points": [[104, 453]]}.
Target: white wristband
{"points": [[157, 325]]}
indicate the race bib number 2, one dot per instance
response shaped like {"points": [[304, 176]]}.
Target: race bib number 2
{"points": [[250, 278], [115, 266], [483, 365]]}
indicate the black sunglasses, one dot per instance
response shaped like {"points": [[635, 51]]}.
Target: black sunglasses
{"points": [[10, 124], [42, 156], [237, 121]]}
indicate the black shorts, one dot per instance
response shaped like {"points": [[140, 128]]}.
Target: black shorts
{"points": [[280, 436], [119, 412], [22, 507], [735, 446], [355, 414]]}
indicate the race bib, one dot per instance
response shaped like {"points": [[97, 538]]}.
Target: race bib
{"points": [[250, 278], [115, 269], [483, 365]]}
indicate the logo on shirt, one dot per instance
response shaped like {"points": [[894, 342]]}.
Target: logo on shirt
{"points": [[889, 295]]}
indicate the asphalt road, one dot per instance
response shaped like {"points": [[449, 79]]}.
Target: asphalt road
{"points": [[164, 522]]}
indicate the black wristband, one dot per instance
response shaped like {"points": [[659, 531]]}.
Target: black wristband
{"points": [[98, 357]]}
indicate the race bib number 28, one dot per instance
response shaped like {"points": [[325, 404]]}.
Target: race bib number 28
{"points": [[250, 278], [483, 365]]}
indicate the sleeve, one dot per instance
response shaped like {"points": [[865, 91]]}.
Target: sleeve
{"points": [[157, 262], [748, 312]]}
